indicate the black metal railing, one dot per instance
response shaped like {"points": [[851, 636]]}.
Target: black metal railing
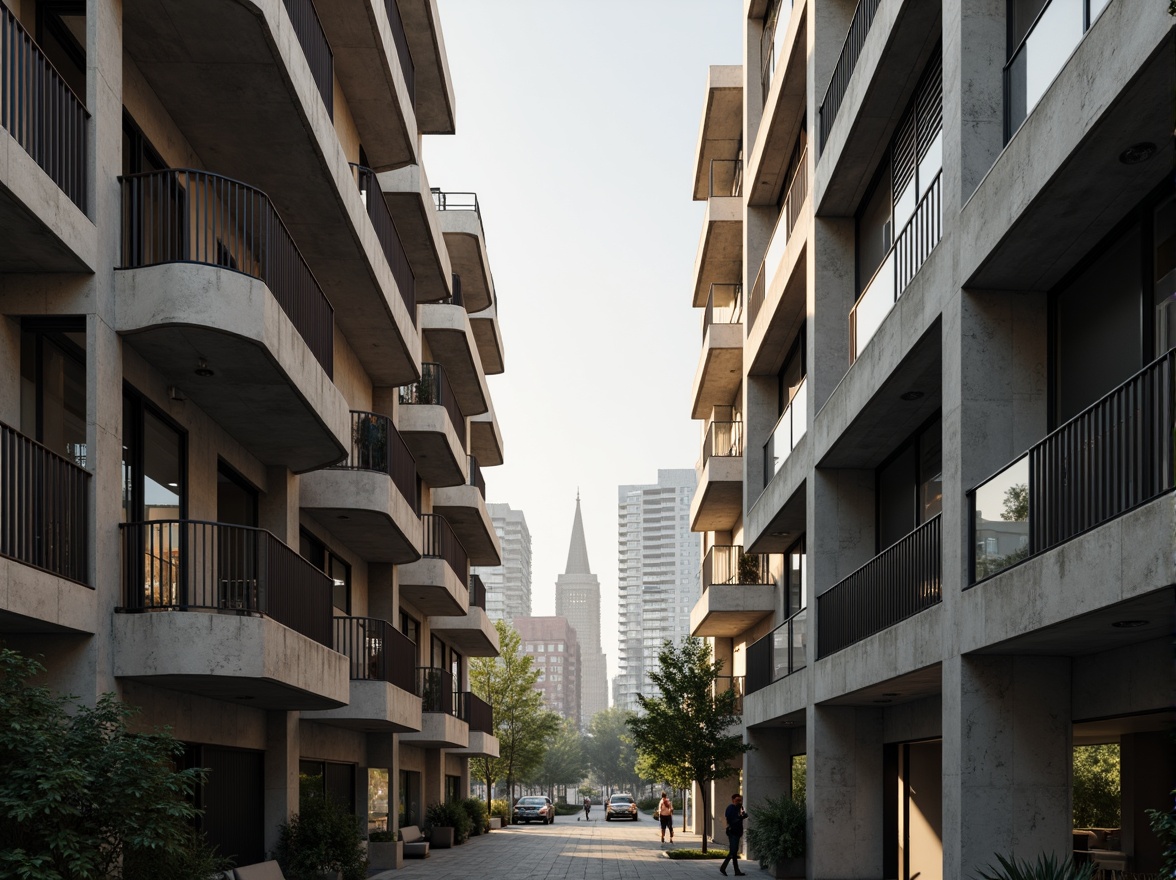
{"points": [[183, 215], [376, 445], [733, 683], [377, 651], [44, 507], [726, 178], [1113, 456], [771, 37], [723, 440], [724, 305], [402, 51], [433, 389], [778, 654], [455, 298], [477, 592], [728, 564], [456, 201], [41, 111], [315, 47], [439, 542], [910, 250], [477, 479], [475, 711], [389, 238], [855, 38], [898, 583], [435, 687], [790, 212], [181, 565]]}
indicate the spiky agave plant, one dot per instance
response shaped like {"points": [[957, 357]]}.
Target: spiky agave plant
{"points": [[1045, 868]]}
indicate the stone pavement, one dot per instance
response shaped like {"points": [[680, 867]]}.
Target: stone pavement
{"points": [[567, 850]]}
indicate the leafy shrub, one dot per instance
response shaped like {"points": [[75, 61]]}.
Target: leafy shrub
{"points": [[80, 793], [1163, 824], [381, 837], [500, 807], [1045, 868], [1096, 786], [696, 854], [479, 820], [449, 815], [776, 831], [321, 837]]}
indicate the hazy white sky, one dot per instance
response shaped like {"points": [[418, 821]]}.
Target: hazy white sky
{"points": [[577, 122]]}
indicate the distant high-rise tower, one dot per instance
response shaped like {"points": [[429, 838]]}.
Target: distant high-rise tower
{"points": [[657, 576], [577, 597], [508, 586]]}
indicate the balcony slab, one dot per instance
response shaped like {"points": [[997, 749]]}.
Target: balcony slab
{"points": [[721, 131], [433, 442], [718, 501], [431, 586], [466, 242], [439, 730], [229, 656], [726, 610], [374, 707], [784, 109], [450, 339], [720, 369], [786, 696], [482, 745], [267, 389], [465, 509], [434, 86], [488, 335], [364, 510], [720, 248], [410, 200], [486, 438], [36, 601], [473, 633]]}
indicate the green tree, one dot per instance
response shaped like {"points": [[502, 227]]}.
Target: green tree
{"points": [[564, 761], [1016, 503], [611, 751], [82, 797], [689, 723], [1096, 786], [678, 775], [521, 723]]}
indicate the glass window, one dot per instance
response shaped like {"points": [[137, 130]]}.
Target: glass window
{"points": [[1164, 274], [236, 499], [53, 386], [153, 464], [333, 566], [796, 574], [410, 627]]}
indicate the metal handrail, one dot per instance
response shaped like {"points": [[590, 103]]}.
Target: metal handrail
{"points": [[388, 236], [377, 651], [437, 689], [438, 541], [403, 53], [477, 713], [733, 312], [726, 564], [376, 445], [730, 182], [186, 215], [855, 39], [477, 479], [433, 389], [785, 225], [313, 40], [40, 110], [477, 592]]}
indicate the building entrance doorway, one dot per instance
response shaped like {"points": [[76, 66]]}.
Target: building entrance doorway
{"points": [[914, 810]]}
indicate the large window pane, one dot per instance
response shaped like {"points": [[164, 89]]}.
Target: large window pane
{"points": [[162, 469], [1164, 260]]}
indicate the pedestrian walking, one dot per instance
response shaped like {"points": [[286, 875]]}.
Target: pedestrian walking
{"points": [[665, 814], [587, 808], [735, 815]]}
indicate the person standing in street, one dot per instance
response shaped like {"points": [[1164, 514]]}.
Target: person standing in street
{"points": [[587, 807], [665, 815], [735, 815]]}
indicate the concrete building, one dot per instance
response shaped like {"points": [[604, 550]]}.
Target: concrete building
{"points": [[244, 402], [577, 598], [551, 643], [936, 399], [657, 577], [508, 586]]}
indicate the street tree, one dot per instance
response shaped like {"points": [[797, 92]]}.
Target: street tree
{"points": [[689, 724], [521, 723], [565, 760], [677, 774], [611, 751]]}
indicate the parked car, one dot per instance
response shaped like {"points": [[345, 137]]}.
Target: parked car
{"points": [[534, 809], [621, 806]]}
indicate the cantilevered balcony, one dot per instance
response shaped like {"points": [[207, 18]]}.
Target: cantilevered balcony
{"points": [[738, 591], [436, 584], [461, 223], [488, 335], [44, 535], [775, 274], [718, 500], [472, 633], [369, 501], [855, 38], [442, 726], [254, 619], [788, 431], [433, 426], [389, 237], [43, 161], [409, 198], [478, 714], [448, 332], [778, 654], [382, 663], [720, 365], [426, 44], [486, 438], [464, 507], [216, 295], [721, 130], [720, 248], [896, 584]]}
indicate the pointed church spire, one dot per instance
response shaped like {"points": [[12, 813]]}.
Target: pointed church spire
{"points": [[578, 550]]}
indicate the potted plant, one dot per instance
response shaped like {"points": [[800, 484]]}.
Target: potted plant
{"points": [[384, 850], [776, 835], [321, 841], [749, 569], [446, 825]]}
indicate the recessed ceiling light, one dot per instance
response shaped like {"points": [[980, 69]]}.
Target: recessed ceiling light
{"points": [[1137, 153], [781, 534], [912, 395], [1130, 624], [202, 368]]}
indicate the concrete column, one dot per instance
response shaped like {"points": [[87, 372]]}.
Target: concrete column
{"points": [[832, 290], [767, 771], [845, 792], [279, 505], [1007, 757], [282, 751], [974, 48], [433, 779], [760, 412]]}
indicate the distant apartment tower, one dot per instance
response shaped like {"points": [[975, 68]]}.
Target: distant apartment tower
{"points": [[657, 576], [552, 643], [577, 597], [508, 586]]}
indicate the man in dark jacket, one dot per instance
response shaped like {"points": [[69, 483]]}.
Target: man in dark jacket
{"points": [[735, 815]]}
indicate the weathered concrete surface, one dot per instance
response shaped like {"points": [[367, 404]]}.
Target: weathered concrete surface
{"points": [[720, 132], [465, 509], [33, 601], [432, 587], [450, 340], [432, 439], [366, 511], [718, 500], [374, 706], [434, 86], [439, 730], [729, 609], [472, 633], [409, 198], [720, 369], [719, 259], [466, 241]]}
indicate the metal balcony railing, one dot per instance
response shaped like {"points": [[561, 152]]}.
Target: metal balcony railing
{"points": [[377, 651], [184, 565], [433, 389], [183, 215], [728, 564], [41, 111], [778, 654], [376, 445], [855, 38], [389, 238], [315, 47], [724, 305], [44, 503], [439, 542], [455, 298], [898, 583], [475, 711], [1113, 456], [726, 178], [477, 479], [771, 39], [477, 592], [723, 440], [437, 690], [407, 68]]}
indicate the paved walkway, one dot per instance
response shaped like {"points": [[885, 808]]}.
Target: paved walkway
{"points": [[567, 850]]}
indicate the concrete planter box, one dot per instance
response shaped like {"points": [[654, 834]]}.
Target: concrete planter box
{"points": [[495, 823], [386, 855], [441, 838], [789, 868]]}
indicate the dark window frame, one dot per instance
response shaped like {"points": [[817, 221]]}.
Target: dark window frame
{"points": [[142, 405], [912, 440]]}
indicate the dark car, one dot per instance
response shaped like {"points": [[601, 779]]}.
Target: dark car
{"points": [[621, 806], [534, 809]]}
